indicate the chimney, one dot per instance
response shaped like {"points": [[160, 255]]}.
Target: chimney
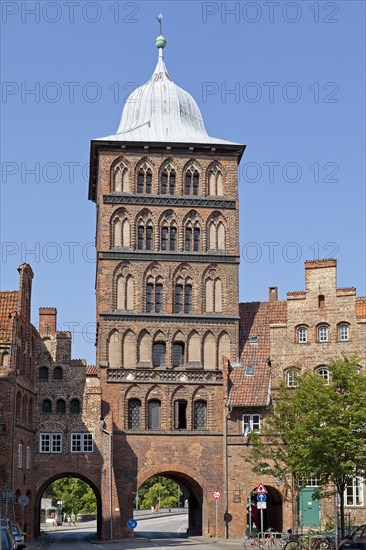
{"points": [[47, 321], [273, 294]]}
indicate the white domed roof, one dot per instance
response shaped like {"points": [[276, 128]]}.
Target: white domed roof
{"points": [[161, 111]]}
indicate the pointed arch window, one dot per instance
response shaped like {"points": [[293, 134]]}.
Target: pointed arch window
{"points": [[120, 179], [200, 415], [216, 236], [180, 414], [191, 185], [134, 414], [125, 292], [114, 350], [192, 237], [167, 182], [120, 232], [145, 235], [213, 295], [154, 414], [159, 354], [144, 180], [178, 354], [154, 295], [168, 237]]}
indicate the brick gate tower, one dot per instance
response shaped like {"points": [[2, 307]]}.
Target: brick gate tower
{"points": [[167, 238]]}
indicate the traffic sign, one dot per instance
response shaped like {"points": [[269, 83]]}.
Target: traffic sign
{"points": [[261, 497], [132, 523], [216, 494], [261, 489], [261, 505], [23, 500]]}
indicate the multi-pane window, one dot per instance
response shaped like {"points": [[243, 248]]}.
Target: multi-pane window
{"points": [[82, 442], [43, 373], [168, 183], [251, 422], [134, 414], [344, 333], [168, 238], [60, 406], [145, 237], [324, 373], [159, 351], [183, 298], [192, 239], [154, 297], [20, 455], [200, 415], [46, 406], [180, 415], [144, 181], [292, 378], [57, 373], [75, 406], [50, 442], [191, 182], [154, 407], [302, 335], [178, 354], [323, 333], [354, 494]]}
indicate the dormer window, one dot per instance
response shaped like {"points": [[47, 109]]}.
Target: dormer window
{"points": [[249, 371], [253, 340]]}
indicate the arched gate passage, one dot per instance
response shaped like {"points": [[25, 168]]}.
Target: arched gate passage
{"points": [[45, 484], [192, 492]]}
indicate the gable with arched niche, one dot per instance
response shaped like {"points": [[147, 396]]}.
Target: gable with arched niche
{"points": [[192, 178], [144, 177], [167, 178], [124, 287], [120, 176], [213, 284], [120, 229], [216, 230], [214, 181]]}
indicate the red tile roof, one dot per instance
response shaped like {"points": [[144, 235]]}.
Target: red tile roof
{"points": [[91, 370], [255, 318], [361, 307], [8, 306]]}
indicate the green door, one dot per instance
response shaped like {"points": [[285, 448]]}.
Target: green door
{"points": [[309, 509]]}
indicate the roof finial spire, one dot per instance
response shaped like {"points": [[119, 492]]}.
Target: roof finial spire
{"points": [[160, 41]]}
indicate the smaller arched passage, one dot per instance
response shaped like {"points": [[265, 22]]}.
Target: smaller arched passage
{"points": [[191, 491], [45, 484], [272, 515]]}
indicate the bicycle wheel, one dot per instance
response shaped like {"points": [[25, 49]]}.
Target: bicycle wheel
{"points": [[251, 543], [293, 545], [320, 544]]}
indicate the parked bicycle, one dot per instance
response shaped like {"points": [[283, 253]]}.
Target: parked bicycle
{"points": [[308, 542]]}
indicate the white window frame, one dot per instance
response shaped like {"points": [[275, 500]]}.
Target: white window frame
{"points": [[20, 455], [254, 421], [81, 442], [354, 493], [27, 458], [323, 334], [302, 335], [323, 371], [343, 332], [50, 443], [292, 376]]}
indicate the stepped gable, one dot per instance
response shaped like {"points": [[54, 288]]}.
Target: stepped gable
{"points": [[8, 305], [255, 320]]}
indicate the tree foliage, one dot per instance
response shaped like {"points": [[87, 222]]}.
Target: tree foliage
{"points": [[78, 497], [161, 491], [317, 430]]}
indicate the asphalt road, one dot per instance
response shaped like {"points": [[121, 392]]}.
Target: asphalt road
{"points": [[162, 527]]}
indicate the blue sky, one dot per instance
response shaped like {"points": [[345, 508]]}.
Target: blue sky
{"points": [[285, 78]]}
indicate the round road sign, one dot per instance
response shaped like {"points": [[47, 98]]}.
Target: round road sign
{"points": [[216, 494], [132, 523]]}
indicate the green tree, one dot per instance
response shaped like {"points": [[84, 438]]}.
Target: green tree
{"points": [[158, 490], [317, 430], [77, 495]]}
